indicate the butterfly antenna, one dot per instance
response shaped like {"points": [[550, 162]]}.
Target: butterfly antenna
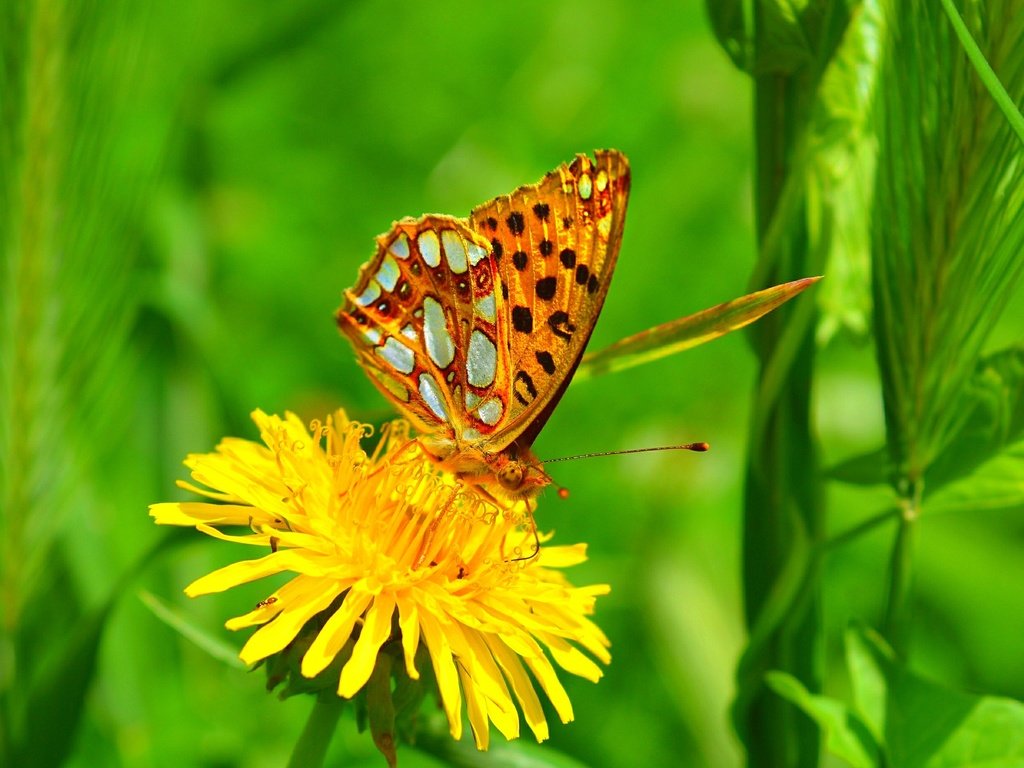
{"points": [[698, 447]]}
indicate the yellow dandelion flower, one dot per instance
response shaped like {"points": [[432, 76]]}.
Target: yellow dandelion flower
{"points": [[390, 555]]}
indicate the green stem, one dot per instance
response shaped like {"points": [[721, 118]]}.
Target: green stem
{"points": [[312, 745], [900, 569], [860, 529]]}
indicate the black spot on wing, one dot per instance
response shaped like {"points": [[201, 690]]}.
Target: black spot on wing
{"points": [[546, 288], [523, 389], [560, 325], [522, 319], [547, 362]]}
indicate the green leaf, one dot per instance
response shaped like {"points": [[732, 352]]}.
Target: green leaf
{"points": [[864, 469], [926, 725], [732, 28], [846, 736], [992, 408], [687, 332], [867, 681], [995, 485], [980, 466], [785, 36]]}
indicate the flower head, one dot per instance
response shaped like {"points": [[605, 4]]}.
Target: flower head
{"points": [[390, 556]]}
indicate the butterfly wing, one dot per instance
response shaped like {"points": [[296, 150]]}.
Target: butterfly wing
{"points": [[555, 243], [474, 328], [423, 320]]}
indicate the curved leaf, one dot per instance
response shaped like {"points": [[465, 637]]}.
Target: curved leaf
{"points": [[691, 331]]}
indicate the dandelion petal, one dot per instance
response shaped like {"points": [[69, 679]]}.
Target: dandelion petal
{"points": [[376, 630], [473, 650], [542, 669], [274, 636], [409, 624], [245, 571], [444, 671], [476, 706], [335, 633], [522, 686]]}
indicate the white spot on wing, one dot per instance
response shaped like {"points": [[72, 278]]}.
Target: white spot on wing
{"points": [[391, 384], [454, 251], [472, 400], [372, 335], [369, 295], [490, 411], [399, 356], [431, 394], [586, 187], [482, 360], [469, 434], [410, 333], [485, 308], [400, 248], [388, 273], [435, 333], [430, 247], [476, 253]]}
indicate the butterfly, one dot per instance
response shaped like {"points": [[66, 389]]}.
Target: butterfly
{"points": [[473, 327]]}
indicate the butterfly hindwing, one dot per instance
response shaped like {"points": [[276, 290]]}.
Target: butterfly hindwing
{"points": [[423, 319], [556, 243]]}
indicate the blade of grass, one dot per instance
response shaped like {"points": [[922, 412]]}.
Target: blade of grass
{"points": [[177, 621], [984, 70], [691, 331]]}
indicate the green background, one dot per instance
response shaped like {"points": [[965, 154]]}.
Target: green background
{"points": [[228, 166]]}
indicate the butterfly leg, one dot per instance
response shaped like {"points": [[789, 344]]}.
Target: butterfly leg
{"points": [[536, 543], [426, 545]]}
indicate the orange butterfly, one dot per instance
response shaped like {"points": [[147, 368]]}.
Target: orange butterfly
{"points": [[473, 327]]}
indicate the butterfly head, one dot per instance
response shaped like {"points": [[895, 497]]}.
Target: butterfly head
{"points": [[520, 479]]}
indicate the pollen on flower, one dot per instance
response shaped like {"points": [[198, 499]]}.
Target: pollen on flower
{"points": [[389, 556]]}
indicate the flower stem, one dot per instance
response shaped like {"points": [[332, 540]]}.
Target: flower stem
{"points": [[312, 745]]}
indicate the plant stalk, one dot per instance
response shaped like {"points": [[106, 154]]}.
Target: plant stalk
{"points": [[897, 618], [311, 748]]}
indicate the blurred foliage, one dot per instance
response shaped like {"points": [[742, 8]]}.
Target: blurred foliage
{"points": [[186, 188]]}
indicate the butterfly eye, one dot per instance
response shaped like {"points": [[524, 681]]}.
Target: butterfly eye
{"points": [[511, 476]]}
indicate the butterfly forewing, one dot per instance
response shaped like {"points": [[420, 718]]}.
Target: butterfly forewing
{"points": [[556, 243]]}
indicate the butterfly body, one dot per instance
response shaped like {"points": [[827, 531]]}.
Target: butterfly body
{"points": [[474, 327]]}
